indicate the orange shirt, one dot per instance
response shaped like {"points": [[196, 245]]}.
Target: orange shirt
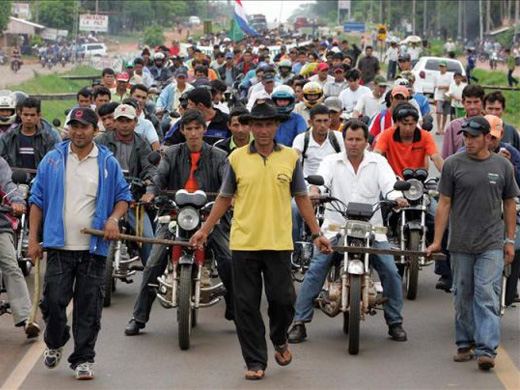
{"points": [[402, 155], [191, 184]]}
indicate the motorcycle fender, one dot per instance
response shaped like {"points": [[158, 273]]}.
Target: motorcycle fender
{"points": [[356, 267], [414, 225], [187, 259]]}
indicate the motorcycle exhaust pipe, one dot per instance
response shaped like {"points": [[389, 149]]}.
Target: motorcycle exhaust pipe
{"points": [[213, 289], [344, 293], [175, 286], [197, 288]]}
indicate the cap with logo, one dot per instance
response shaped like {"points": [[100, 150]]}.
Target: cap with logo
{"points": [[380, 80], [268, 78], [85, 116], [496, 126], [475, 126], [123, 76], [125, 110], [181, 73], [229, 55], [443, 63]]}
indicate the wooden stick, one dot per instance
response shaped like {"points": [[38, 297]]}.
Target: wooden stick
{"points": [[393, 252], [145, 240]]}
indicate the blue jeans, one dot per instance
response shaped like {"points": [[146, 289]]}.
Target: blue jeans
{"points": [[147, 232], [477, 284], [317, 273]]}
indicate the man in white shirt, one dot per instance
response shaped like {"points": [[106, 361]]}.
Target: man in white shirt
{"points": [[144, 127], [314, 145], [322, 76], [442, 82], [455, 94], [354, 176], [350, 96], [392, 55], [372, 104], [268, 87]]}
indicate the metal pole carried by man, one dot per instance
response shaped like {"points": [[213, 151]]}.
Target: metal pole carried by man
{"points": [[262, 177]]}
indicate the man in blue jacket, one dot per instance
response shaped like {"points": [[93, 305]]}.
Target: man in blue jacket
{"points": [[77, 185]]}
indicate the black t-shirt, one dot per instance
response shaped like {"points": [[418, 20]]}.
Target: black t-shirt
{"points": [[27, 151]]}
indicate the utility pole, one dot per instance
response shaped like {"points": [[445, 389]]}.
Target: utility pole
{"points": [[413, 17], [459, 24], [97, 6], [481, 20], [488, 15], [380, 11], [37, 11], [517, 11], [424, 20]]}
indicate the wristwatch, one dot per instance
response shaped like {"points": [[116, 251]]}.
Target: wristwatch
{"points": [[509, 241], [316, 235]]}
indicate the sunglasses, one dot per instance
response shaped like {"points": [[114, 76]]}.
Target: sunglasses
{"points": [[403, 113], [473, 125], [403, 60]]}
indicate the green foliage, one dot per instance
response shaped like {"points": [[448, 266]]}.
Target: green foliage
{"points": [[5, 12], [154, 36], [506, 38], [57, 13]]}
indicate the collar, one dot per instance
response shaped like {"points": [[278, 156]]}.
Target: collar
{"points": [[233, 145], [252, 148], [368, 158], [416, 135], [93, 153]]}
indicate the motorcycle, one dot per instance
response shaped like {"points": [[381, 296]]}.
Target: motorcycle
{"points": [[63, 60], [43, 60], [187, 281], [411, 228], [350, 287], [16, 65], [122, 253], [22, 180], [3, 58]]}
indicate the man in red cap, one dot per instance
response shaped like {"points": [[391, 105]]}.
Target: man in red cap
{"points": [[120, 92], [322, 76]]}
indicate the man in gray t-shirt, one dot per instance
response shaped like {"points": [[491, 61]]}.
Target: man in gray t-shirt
{"points": [[477, 187]]}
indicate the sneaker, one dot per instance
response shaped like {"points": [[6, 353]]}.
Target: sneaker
{"points": [[84, 371], [297, 334], [397, 333], [52, 357], [485, 362], [464, 354], [32, 330], [444, 283]]}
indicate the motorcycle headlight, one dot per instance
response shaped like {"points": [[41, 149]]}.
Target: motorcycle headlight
{"points": [[416, 190], [188, 218], [358, 229]]}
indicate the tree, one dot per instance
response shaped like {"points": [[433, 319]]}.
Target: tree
{"points": [[57, 14], [154, 36], [5, 12]]}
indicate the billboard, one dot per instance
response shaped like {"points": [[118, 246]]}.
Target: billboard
{"points": [[21, 10], [344, 4], [91, 22], [354, 27]]}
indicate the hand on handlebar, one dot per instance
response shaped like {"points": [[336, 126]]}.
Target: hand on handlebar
{"points": [[18, 208], [402, 202], [147, 198]]}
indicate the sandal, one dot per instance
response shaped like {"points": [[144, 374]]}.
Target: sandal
{"points": [[283, 355], [254, 375]]}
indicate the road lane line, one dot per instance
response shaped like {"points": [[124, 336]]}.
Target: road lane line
{"points": [[506, 370], [27, 363]]}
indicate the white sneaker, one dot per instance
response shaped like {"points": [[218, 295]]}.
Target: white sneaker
{"points": [[84, 371], [52, 357]]}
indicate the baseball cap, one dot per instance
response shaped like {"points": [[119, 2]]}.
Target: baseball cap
{"points": [[405, 57], [285, 64], [334, 103], [339, 67], [323, 66], [268, 77], [123, 76], [443, 63], [229, 55], [380, 80], [496, 126], [85, 116], [181, 72], [475, 126], [125, 110], [400, 90]]}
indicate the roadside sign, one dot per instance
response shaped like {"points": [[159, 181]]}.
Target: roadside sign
{"points": [[354, 27], [382, 31], [91, 22]]}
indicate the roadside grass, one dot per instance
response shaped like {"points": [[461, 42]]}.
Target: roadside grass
{"points": [[54, 83], [499, 78]]}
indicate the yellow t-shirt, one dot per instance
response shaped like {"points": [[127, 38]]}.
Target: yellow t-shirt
{"points": [[263, 187]]}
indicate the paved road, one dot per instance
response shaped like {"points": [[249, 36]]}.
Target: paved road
{"points": [[27, 72], [153, 359]]}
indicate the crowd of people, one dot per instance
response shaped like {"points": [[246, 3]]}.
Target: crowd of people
{"points": [[251, 124]]}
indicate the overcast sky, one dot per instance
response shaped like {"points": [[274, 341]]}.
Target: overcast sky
{"points": [[271, 9]]}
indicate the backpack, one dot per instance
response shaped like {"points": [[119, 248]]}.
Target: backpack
{"points": [[306, 139]]}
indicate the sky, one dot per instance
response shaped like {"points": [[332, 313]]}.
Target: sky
{"points": [[271, 9]]}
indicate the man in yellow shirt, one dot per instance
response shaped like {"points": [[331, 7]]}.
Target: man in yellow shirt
{"points": [[262, 177]]}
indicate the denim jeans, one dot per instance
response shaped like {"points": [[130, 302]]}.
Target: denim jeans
{"points": [[477, 284], [317, 273], [80, 276], [147, 232]]}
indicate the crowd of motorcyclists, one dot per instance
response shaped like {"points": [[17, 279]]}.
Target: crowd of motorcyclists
{"points": [[328, 103]]}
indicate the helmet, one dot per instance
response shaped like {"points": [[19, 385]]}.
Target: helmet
{"points": [[7, 103], [285, 64], [312, 88], [19, 96], [284, 92], [159, 56]]}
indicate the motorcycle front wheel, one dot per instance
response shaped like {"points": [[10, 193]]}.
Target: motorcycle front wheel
{"points": [[184, 312], [354, 315], [109, 278], [412, 266]]}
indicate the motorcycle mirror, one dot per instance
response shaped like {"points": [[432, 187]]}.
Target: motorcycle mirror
{"points": [[66, 112], [56, 122], [315, 180], [154, 158], [427, 123], [402, 185], [20, 177]]}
